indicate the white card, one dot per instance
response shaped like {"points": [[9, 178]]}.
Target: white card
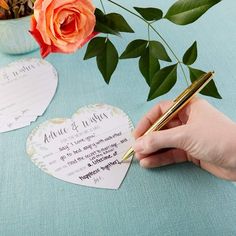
{"points": [[86, 149], [26, 89]]}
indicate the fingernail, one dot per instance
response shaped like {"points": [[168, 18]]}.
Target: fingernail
{"points": [[138, 145], [138, 156], [143, 164]]}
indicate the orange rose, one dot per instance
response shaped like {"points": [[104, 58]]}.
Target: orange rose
{"points": [[62, 25]]}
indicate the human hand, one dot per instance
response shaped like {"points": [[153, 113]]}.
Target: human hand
{"points": [[199, 133]]}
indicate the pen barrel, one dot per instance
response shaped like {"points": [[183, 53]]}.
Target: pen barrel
{"points": [[181, 101], [165, 118], [178, 104]]}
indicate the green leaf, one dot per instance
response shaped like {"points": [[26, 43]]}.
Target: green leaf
{"points": [[150, 13], [118, 23], [210, 89], [111, 23], [190, 55], [184, 12], [107, 61], [163, 81], [102, 24], [159, 51], [148, 65], [134, 49], [95, 47]]}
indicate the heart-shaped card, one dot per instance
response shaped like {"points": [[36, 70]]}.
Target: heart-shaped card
{"points": [[26, 88], [86, 149]]}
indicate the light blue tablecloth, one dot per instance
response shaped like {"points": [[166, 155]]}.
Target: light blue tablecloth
{"points": [[174, 200]]}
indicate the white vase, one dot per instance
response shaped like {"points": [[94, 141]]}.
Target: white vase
{"points": [[15, 37]]}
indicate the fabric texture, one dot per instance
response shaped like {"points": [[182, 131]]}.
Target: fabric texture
{"points": [[174, 200]]}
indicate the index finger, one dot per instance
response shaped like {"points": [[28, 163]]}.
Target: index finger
{"points": [[146, 122]]}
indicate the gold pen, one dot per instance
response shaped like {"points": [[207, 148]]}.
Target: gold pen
{"points": [[178, 104]]}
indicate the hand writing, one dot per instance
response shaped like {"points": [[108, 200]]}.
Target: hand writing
{"points": [[200, 134]]}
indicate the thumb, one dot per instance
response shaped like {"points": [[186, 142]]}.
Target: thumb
{"points": [[170, 138]]}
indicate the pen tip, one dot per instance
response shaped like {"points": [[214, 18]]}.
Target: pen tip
{"points": [[127, 155]]}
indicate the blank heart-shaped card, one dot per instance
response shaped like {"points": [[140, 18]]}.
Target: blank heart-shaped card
{"points": [[86, 149], [27, 87]]}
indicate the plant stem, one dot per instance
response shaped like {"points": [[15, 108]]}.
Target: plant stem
{"points": [[104, 11], [126, 9], [148, 32], [182, 69], [173, 53], [103, 8], [161, 37]]}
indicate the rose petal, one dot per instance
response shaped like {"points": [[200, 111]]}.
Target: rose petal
{"points": [[63, 26], [44, 48]]}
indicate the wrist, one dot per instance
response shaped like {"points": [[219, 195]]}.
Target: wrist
{"points": [[230, 148]]}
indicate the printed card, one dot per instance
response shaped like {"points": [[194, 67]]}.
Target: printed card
{"points": [[26, 89], [86, 149]]}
